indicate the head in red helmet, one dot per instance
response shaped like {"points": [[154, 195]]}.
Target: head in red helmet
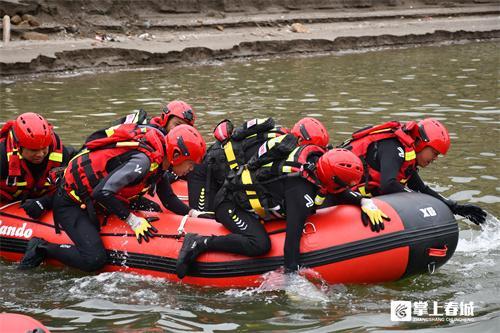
{"points": [[339, 169], [185, 148], [33, 135], [431, 139], [311, 131], [176, 113]]}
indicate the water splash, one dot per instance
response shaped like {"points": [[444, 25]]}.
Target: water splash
{"points": [[486, 241], [304, 286]]}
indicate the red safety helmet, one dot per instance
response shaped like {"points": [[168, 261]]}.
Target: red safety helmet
{"points": [[179, 109], [311, 131], [184, 143], [32, 131], [338, 169], [430, 132]]}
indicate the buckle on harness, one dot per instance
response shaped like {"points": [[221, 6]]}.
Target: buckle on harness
{"points": [[180, 230]]}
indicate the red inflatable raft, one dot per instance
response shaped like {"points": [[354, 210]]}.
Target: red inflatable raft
{"points": [[18, 323], [421, 236]]}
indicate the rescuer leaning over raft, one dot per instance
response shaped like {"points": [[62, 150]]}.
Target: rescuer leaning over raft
{"points": [[172, 114], [235, 146], [29, 151], [290, 187], [107, 173], [392, 153]]}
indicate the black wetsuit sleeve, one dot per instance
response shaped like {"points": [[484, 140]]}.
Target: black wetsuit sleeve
{"points": [[168, 198], [390, 156], [348, 197], [132, 171], [68, 153], [416, 183], [4, 166], [299, 201]]}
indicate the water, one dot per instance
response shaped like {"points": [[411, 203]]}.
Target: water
{"points": [[455, 84]]}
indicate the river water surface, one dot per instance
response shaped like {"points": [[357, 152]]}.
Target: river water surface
{"points": [[455, 84]]}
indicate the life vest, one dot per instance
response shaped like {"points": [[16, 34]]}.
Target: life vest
{"points": [[19, 182], [361, 141], [248, 185], [233, 153], [89, 167]]}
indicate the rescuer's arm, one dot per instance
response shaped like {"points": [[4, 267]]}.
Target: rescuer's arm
{"points": [[131, 172], [168, 198], [390, 155], [474, 213], [299, 202]]}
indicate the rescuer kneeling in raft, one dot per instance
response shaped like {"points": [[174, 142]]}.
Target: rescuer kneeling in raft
{"points": [[107, 173]]}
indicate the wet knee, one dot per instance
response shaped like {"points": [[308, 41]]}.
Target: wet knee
{"points": [[259, 247], [94, 262]]}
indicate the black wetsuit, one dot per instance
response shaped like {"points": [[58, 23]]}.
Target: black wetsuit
{"points": [[387, 157], [249, 236], [89, 253], [37, 171]]}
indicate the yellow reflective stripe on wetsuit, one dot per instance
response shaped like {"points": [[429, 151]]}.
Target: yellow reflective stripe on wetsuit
{"points": [[56, 157], [363, 192], [410, 155], [246, 179]]}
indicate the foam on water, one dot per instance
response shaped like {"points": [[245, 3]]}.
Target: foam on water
{"points": [[304, 286], [488, 239]]}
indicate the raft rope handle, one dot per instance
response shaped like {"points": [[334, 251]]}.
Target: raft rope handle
{"points": [[180, 231], [304, 230]]}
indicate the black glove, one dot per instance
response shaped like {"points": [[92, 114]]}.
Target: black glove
{"points": [[33, 207], [142, 203], [472, 212]]}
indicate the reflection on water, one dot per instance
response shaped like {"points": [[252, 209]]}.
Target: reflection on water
{"points": [[455, 84]]}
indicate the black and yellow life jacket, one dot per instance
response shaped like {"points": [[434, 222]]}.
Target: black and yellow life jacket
{"points": [[231, 154], [248, 186]]}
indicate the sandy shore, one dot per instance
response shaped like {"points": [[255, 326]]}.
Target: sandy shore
{"points": [[196, 37]]}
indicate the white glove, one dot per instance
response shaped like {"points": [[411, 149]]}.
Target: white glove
{"points": [[201, 214]]}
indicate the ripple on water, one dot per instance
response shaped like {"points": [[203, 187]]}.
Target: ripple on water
{"points": [[104, 114], [488, 154], [462, 179]]}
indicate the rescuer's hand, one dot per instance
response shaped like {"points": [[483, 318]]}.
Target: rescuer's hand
{"points": [[472, 212], [142, 227], [33, 207], [202, 214], [372, 215]]}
